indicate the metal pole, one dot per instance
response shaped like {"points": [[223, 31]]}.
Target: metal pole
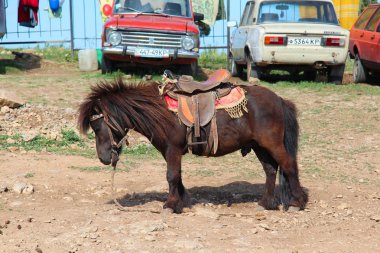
{"points": [[71, 29], [228, 35]]}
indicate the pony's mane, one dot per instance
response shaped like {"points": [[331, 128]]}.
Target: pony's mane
{"points": [[133, 105]]}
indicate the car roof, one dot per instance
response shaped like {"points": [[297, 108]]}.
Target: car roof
{"points": [[330, 1]]}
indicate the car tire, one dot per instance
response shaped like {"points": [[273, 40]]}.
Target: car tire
{"points": [[236, 69], [336, 73], [107, 65], [189, 69], [359, 73]]}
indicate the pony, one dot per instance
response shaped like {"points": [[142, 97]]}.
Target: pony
{"points": [[269, 128]]}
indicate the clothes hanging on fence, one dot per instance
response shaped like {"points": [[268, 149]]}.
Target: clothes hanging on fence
{"points": [[28, 13], [55, 11]]}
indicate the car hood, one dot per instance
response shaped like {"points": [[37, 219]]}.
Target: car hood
{"points": [[152, 22], [304, 29]]}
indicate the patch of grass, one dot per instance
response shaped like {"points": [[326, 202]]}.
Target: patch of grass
{"points": [[204, 172], [213, 59], [70, 144], [29, 175], [349, 65], [98, 168], [144, 150], [327, 88], [71, 137], [57, 54], [313, 170]]}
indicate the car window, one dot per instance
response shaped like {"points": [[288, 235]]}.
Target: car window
{"points": [[297, 11], [362, 20], [250, 15], [371, 26], [247, 14]]}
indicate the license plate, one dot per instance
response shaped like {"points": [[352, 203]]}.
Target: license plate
{"points": [[152, 52], [304, 41]]}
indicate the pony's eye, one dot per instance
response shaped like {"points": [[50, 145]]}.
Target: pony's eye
{"points": [[95, 127]]}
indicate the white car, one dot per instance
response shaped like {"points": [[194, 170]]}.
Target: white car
{"points": [[292, 35]]}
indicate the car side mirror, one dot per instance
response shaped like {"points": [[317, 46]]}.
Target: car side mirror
{"points": [[232, 23], [198, 17]]}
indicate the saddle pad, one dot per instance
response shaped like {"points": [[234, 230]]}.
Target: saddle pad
{"points": [[235, 97]]}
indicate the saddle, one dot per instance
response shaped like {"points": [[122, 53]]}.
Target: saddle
{"points": [[196, 106]]}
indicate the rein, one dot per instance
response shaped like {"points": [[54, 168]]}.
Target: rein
{"points": [[114, 148]]}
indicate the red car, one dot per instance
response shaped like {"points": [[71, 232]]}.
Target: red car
{"points": [[151, 32], [365, 44]]}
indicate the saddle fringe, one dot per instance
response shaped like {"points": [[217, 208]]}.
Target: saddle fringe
{"points": [[236, 111]]}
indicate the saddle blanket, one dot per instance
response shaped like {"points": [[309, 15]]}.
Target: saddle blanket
{"points": [[235, 98]]}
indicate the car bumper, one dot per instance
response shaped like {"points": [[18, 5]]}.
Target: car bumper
{"points": [[130, 51], [299, 56]]}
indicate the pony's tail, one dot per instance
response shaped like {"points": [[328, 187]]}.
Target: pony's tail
{"points": [[291, 134]]}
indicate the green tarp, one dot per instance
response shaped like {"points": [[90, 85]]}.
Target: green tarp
{"points": [[212, 9]]}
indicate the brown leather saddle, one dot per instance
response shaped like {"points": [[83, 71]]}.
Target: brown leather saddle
{"points": [[196, 107]]}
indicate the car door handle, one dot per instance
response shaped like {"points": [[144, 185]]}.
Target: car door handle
{"points": [[372, 37], [361, 35]]}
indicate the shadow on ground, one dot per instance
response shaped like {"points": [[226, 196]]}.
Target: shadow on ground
{"points": [[232, 193], [21, 61]]}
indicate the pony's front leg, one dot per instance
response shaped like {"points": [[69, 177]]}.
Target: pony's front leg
{"points": [[178, 197]]}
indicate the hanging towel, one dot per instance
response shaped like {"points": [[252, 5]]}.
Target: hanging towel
{"points": [[28, 13]]}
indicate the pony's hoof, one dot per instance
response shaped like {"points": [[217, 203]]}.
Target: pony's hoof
{"points": [[167, 211], [293, 209], [259, 208]]}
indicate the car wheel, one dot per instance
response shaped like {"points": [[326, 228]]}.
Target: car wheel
{"points": [[359, 73], [106, 65], [189, 69], [335, 74], [236, 69]]}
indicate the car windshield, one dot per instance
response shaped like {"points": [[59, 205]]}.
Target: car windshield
{"points": [[160, 7], [297, 11]]}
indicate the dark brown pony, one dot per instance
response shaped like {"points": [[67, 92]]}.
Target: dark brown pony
{"points": [[270, 129]]}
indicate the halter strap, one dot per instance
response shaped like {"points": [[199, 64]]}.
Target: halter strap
{"points": [[116, 127]]}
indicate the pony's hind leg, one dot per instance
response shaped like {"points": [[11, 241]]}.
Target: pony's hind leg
{"points": [[291, 190], [270, 166]]}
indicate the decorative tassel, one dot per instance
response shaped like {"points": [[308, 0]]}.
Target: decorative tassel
{"points": [[236, 111]]}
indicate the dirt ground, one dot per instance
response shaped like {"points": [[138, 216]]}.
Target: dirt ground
{"points": [[71, 209]]}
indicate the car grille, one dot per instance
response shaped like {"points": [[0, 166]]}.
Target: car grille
{"points": [[151, 39]]}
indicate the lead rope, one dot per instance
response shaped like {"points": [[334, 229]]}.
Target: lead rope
{"points": [[114, 160]]}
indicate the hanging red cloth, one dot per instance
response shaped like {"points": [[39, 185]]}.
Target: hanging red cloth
{"points": [[28, 13]]}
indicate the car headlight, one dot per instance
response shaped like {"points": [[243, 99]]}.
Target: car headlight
{"points": [[114, 38], [188, 43]]}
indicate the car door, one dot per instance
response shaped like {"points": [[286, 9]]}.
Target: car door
{"points": [[240, 36], [372, 38], [358, 33]]}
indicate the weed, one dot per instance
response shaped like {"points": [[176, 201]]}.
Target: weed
{"points": [[213, 59], [29, 175], [70, 136]]}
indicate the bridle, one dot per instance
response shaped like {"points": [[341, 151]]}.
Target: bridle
{"points": [[112, 125]]}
